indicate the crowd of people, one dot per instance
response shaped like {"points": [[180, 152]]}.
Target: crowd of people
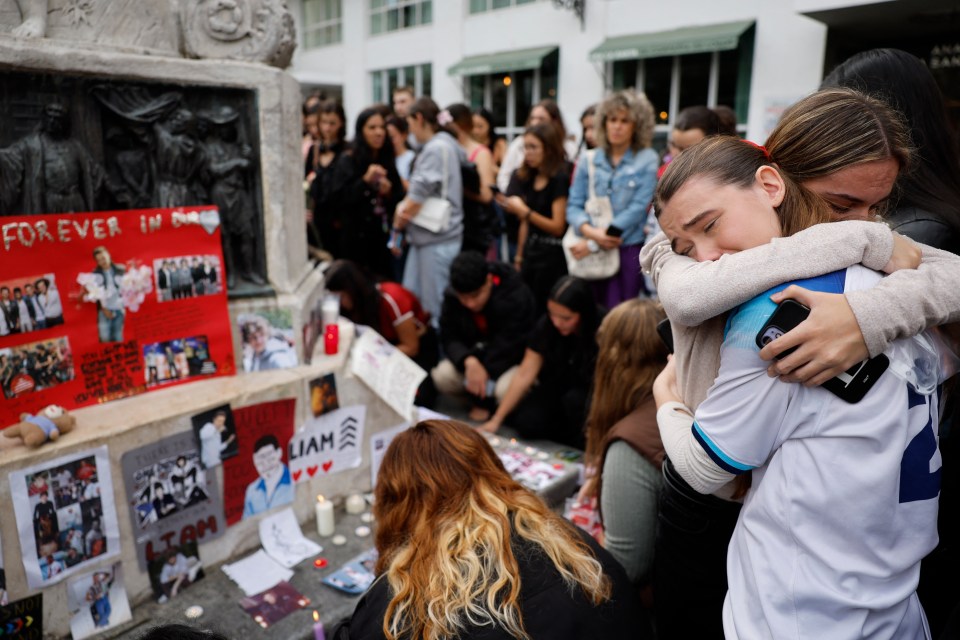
{"points": [[735, 501], [30, 306]]}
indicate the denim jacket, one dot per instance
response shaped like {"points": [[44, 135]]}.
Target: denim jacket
{"points": [[630, 188]]}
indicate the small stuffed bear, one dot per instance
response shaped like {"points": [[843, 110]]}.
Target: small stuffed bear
{"points": [[48, 424]]}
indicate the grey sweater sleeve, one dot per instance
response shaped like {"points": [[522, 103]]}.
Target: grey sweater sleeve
{"points": [[692, 292], [628, 501], [909, 300]]}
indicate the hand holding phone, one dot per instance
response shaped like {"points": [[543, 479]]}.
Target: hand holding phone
{"points": [[666, 333], [851, 385], [614, 231]]}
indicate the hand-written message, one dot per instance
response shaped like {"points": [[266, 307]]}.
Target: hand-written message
{"points": [[112, 372]]}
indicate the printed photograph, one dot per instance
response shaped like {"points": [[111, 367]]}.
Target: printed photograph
{"points": [[267, 338], [67, 516], [323, 395], [216, 435], [35, 366], [179, 277], [274, 604], [169, 486], [174, 570], [29, 304], [98, 601], [175, 360]]}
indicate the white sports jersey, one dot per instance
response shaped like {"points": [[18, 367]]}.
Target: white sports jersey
{"points": [[843, 504]]}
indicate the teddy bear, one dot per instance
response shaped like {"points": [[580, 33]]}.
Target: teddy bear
{"points": [[49, 424]]}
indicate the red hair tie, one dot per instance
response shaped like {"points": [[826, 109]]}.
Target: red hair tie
{"points": [[763, 149]]}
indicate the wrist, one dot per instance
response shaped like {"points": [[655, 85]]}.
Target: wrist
{"points": [[529, 212], [593, 246]]}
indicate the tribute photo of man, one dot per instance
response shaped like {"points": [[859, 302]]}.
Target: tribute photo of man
{"points": [[217, 440], [110, 313], [274, 487]]}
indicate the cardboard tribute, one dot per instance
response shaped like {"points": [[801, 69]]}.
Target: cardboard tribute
{"points": [[257, 479], [100, 306], [172, 498], [328, 444], [65, 515], [23, 619]]}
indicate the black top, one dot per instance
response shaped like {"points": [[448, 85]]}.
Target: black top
{"points": [[924, 227], [568, 361], [509, 316], [550, 611], [540, 201]]}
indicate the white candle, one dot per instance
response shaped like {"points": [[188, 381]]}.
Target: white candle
{"points": [[324, 510], [355, 504]]}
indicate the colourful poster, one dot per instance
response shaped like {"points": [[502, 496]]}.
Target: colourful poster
{"points": [[258, 479], [99, 306], [328, 444], [172, 499]]}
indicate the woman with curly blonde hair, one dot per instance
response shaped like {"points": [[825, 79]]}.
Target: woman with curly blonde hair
{"points": [[623, 168], [466, 552]]}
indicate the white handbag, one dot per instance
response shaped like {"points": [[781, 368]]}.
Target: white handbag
{"points": [[434, 214], [603, 263]]}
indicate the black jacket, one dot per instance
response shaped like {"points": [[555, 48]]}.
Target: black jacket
{"points": [[510, 314], [923, 226], [549, 610]]}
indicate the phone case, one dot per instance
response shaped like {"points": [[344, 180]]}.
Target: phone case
{"points": [[851, 385], [666, 333]]}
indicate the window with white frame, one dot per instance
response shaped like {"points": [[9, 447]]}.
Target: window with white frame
{"points": [[417, 76], [322, 22], [393, 15], [482, 6], [510, 96]]}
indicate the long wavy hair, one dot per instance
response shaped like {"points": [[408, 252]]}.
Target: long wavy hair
{"points": [[447, 510], [630, 356]]}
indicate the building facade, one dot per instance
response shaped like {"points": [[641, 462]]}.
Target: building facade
{"points": [[755, 56]]}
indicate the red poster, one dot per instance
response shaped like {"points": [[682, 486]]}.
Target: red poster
{"points": [[99, 306], [258, 479]]}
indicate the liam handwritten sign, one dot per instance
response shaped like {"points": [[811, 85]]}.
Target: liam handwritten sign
{"points": [[327, 444]]}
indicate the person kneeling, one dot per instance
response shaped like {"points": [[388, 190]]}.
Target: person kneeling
{"points": [[487, 315]]}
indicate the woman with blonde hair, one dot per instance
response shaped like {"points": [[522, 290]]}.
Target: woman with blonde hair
{"points": [[466, 552], [624, 169]]}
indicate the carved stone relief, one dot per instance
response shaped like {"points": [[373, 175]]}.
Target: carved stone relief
{"points": [[251, 30], [79, 144]]}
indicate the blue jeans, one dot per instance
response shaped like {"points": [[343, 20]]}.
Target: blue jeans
{"points": [[427, 273], [110, 329]]}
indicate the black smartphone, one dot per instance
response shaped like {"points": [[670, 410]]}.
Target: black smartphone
{"points": [[614, 231], [851, 385], [666, 333]]}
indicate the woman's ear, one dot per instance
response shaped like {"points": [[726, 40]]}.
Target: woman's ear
{"points": [[770, 180]]}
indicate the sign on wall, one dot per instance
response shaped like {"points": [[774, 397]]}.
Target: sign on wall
{"points": [[100, 306]]}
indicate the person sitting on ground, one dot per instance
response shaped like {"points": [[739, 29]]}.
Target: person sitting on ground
{"points": [[488, 311], [624, 449], [393, 312], [467, 552], [557, 369]]}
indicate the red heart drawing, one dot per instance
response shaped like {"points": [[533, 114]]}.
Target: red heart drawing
{"points": [[327, 465], [312, 470], [297, 474]]}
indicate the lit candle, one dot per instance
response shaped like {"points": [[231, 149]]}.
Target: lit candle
{"points": [[530, 451], [318, 627], [324, 510], [355, 504], [495, 441]]}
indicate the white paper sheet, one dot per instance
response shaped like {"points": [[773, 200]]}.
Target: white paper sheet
{"points": [[387, 371], [327, 444], [283, 540], [77, 509], [256, 573], [429, 414], [378, 446], [98, 606]]}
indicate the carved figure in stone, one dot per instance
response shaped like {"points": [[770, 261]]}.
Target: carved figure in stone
{"points": [[230, 162], [129, 170], [48, 171], [180, 161], [252, 30], [34, 23]]}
